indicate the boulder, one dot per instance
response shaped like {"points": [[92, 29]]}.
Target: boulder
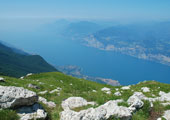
{"points": [[50, 104], [145, 89], [33, 112], [74, 102], [135, 103], [103, 112], [2, 79], [11, 97]]}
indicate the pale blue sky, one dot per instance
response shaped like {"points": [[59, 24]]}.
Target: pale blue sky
{"points": [[89, 9]]}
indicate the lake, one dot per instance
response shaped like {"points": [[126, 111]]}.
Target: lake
{"points": [[58, 51]]}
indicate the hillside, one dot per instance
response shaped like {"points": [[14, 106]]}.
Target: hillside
{"points": [[14, 63], [55, 89]]}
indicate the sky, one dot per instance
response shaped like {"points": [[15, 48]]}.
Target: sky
{"points": [[86, 9]]}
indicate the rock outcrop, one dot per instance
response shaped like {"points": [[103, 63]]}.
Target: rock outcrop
{"points": [[25, 101], [145, 89], [103, 112], [11, 97]]}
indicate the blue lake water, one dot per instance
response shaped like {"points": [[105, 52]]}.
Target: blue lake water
{"points": [[59, 51]]}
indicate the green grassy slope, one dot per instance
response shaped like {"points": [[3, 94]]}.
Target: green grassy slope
{"points": [[17, 65], [84, 88]]}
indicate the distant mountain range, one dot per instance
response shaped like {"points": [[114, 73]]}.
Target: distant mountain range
{"points": [[16, 63]]}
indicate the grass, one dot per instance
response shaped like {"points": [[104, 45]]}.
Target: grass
{"points": [[8, 115], [83, 88]]}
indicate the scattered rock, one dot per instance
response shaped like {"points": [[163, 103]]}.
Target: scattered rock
{"points": [[29, 74], [117, 93], [44, 101], [33, 86], [33, 112], [135, 103], [2, 79], [61, 81], [117, 89], [41, 83], [126, 88], [43, 92], [22, 77], [74, 102], [11, 97], [145, 89], [106, 90], [167, 115], [103, 112], [94, 91], [164, 96], [55, 90], [165, 104]]}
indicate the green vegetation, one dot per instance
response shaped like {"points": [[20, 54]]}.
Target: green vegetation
{"points": [[8, 115], [72, 86], [17, 65]]}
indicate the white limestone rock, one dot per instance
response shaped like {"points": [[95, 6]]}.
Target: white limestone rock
{"points": [[167, 115], [29, 74], [164, 96], [102, 112], [106, 90], [33, 112], [126, 88], [53, 91], [33, 86], [50, 104], [117, 93], [22, 77], [94, 91], [11, 97], [135, 102], [2, 79], [145, 89], [74, 102], [43, 92]]}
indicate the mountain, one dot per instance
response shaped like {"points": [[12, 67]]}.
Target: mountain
{"points": [[68, 98], [144, 41], [76, 30], [16, 63]]}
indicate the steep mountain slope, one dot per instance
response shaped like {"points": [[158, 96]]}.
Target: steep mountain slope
{"points": [[57, 87], [14, 64]]}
